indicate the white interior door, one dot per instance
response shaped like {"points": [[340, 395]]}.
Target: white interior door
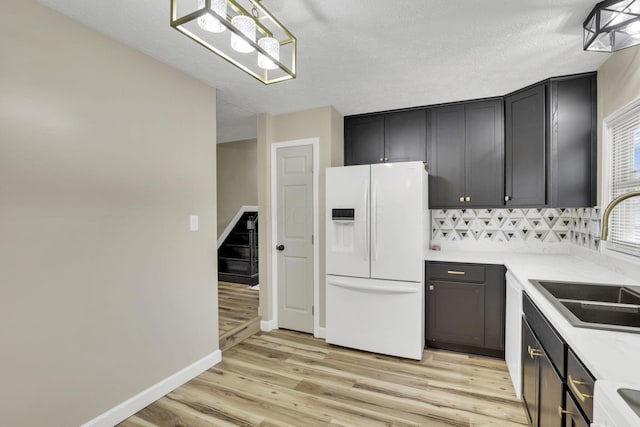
{"points": [[294, 245], [397, 224], [348, 193]]}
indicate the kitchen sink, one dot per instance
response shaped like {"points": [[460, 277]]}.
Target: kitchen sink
{"points": [[592, 292], [592, 305], [632, 398]]}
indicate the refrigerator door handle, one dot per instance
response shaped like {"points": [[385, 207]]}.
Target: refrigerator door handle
{"points": [[374, 224], [393, 289], [365, 224]]}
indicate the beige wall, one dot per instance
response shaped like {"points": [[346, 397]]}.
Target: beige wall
{"points": [[104, 154], [618, 85], [324, 123], [237, 179]]}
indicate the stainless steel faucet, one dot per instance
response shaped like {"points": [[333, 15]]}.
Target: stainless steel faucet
{"points": [[604, 235]]}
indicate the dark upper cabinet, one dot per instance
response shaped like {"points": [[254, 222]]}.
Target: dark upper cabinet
{"points": [[447, 160], [550, 144], [534, 148], [572, 141], [393, 137], [406, 136], [364, 140], [525, 150], [484, 169], [466, 158]]}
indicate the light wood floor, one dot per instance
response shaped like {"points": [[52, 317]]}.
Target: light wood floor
{"points": [[237, 313], [237, 304], [284, 378]]}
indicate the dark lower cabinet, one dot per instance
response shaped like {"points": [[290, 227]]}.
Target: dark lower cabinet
{"points": [[456, 312], [573, 416], [548, 389], [530, 375], [551, 391], [542, 387], [465, 307]]}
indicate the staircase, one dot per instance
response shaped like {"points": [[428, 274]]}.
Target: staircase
{"points": [[238, 255]]}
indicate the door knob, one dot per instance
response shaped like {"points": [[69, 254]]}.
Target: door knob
{"points": [[280, 247]]}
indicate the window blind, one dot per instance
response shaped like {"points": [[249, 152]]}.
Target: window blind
{"points": [[625, 176]]}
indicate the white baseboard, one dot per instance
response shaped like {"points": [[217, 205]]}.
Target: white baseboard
{"points": [[143, 399], [321, 333], [268, 325], [233, 222]]}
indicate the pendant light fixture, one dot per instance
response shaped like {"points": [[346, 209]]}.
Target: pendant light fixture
{"points": [[256, 42], [612, 25]]}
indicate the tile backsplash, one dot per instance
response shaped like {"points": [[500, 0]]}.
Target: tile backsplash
{"points": [[580, 226]]}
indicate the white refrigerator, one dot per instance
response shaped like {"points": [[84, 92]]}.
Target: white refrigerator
{"points": [[377, 224]]}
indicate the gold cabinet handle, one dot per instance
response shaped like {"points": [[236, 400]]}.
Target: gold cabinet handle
{"points": [[457, 273], [467, 199], [562, 411], [573, 385], [534, 352], [507, 198], [386, 159], [381, 158], [431, 287], [461, 199]]}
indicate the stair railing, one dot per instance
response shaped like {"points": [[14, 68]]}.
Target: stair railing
{"points": [[252, 223]]}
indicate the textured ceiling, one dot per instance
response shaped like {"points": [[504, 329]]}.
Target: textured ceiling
{"points": [[367, 55]]}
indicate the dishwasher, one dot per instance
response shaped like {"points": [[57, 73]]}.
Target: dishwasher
{"points": [[513, 332]]}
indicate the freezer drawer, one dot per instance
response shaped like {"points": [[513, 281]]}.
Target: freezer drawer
{"points": [[381, 316]]}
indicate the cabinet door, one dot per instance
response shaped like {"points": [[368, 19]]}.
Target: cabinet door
{"points": [[550, 392], [530, 374], [447, 139], [484, 156], [406, 136], [573, 417], [525, 148], [364, 140], [456, 313], [573, 141]]}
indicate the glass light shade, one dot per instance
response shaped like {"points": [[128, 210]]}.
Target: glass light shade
{"points": [[272, 46], [208, 22], [247, 26], [612, 25], [633, 28]]}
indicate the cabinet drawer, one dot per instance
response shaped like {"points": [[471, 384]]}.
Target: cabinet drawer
{"points": [[573, 416], [456, 271], [581, 383], [553, 345]]}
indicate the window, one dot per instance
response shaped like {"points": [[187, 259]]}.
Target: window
{"points": [[623, 176]]}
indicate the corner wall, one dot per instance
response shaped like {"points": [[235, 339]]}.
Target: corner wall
{"points": [[237, 178], [104, 154], [618, 85], [324, 123]]}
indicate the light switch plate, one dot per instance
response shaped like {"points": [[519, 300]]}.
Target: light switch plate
{"points": [[193, 223]]}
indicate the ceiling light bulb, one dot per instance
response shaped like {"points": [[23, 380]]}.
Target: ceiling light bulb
{"points": [[272, 46], [247, 26], [633, 28], [208, 22]]}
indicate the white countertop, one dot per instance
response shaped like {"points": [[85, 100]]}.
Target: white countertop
{"points": [[609, 355]]}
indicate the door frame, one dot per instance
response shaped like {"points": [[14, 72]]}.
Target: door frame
{"points": [[315, 144]]}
